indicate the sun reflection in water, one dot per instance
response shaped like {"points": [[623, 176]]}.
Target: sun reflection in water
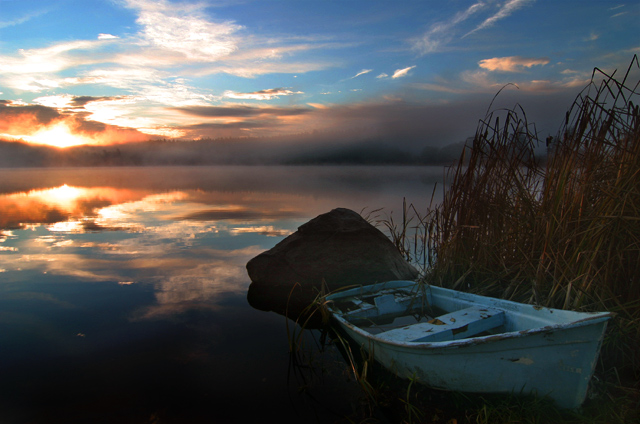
{"points": [[67, 227], [63, 196]]}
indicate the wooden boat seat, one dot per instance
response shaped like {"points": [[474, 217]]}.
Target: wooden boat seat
{"points": [[452, 326]]}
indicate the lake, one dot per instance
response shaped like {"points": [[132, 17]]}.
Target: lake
{"points": [[123, 292]]}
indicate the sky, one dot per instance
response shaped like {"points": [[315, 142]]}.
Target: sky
{"points": [[116, 71]]}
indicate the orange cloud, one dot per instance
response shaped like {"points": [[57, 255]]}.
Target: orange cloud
{"points": [[511, 63], [60, 127], [58, 204]]}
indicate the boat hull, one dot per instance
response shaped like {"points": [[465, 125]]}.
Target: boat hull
{"points": [[554, 360]]}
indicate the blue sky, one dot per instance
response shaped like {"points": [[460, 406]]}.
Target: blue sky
{"points": [[105, 71]]}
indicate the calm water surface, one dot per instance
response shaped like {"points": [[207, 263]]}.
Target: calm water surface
{"points": [[123, 292]]}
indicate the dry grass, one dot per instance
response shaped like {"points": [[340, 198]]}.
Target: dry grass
{"points": [[562, 232]]}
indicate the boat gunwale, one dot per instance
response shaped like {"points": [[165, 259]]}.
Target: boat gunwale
{"points": [[590, 318]]}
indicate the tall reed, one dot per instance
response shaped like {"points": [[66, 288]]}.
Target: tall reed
{"points": [[561, 232]]}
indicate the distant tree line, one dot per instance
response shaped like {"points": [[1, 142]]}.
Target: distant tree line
{"points": [[231, 151]]}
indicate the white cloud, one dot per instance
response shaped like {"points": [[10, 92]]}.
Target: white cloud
{"points": [[620, 6], [23, 19], [363, 72], [399, 73], [254, 69], [125, 78], [268, 94], [153, 85], [592, 37], [107, 37], [179, 36], [505, 10], [383, 75], [618, 14], [45, 60], [441, 33], [56, 101], [185, 29]]}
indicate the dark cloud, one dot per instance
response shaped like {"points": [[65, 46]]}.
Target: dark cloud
{"points": [[414, 124], [273, 91], [409, 125], [229, 125], [80, 101], [33, 114], [15, 216], [91, 127], [386, 128], [91, 226], [238, 214], [239, 111]]}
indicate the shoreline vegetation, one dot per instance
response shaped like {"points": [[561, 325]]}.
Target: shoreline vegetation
{"points": [[564, 233]]}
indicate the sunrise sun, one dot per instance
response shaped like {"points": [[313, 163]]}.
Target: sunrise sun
{"points": [[58, 136]]}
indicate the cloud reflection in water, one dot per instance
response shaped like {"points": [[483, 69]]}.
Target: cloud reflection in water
{"points": [[132, 282], [172, 240], [186, 232]]}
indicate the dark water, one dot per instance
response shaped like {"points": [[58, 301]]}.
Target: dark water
{"points": [[123, 292]]}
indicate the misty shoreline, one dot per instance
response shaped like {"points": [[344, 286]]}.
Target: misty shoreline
{"points": [[14, 154]]}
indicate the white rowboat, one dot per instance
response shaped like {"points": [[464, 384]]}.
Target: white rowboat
{"points": [[464, 342]]}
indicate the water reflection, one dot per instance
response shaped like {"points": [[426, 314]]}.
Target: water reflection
{"points": [[188, 232], [137, 277], [153, 238]]}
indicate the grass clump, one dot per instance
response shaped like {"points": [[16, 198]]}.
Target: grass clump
{"points": [[559, 229], [562, 231], [568, 227]]}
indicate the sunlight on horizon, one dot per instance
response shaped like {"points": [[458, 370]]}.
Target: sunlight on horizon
{"points": [[58, 136]]}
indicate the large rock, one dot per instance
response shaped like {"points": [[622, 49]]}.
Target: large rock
{"points": [[339, 247]]}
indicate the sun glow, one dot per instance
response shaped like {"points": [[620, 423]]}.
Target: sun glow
{"points": [[63, 195], [58, 136]]}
